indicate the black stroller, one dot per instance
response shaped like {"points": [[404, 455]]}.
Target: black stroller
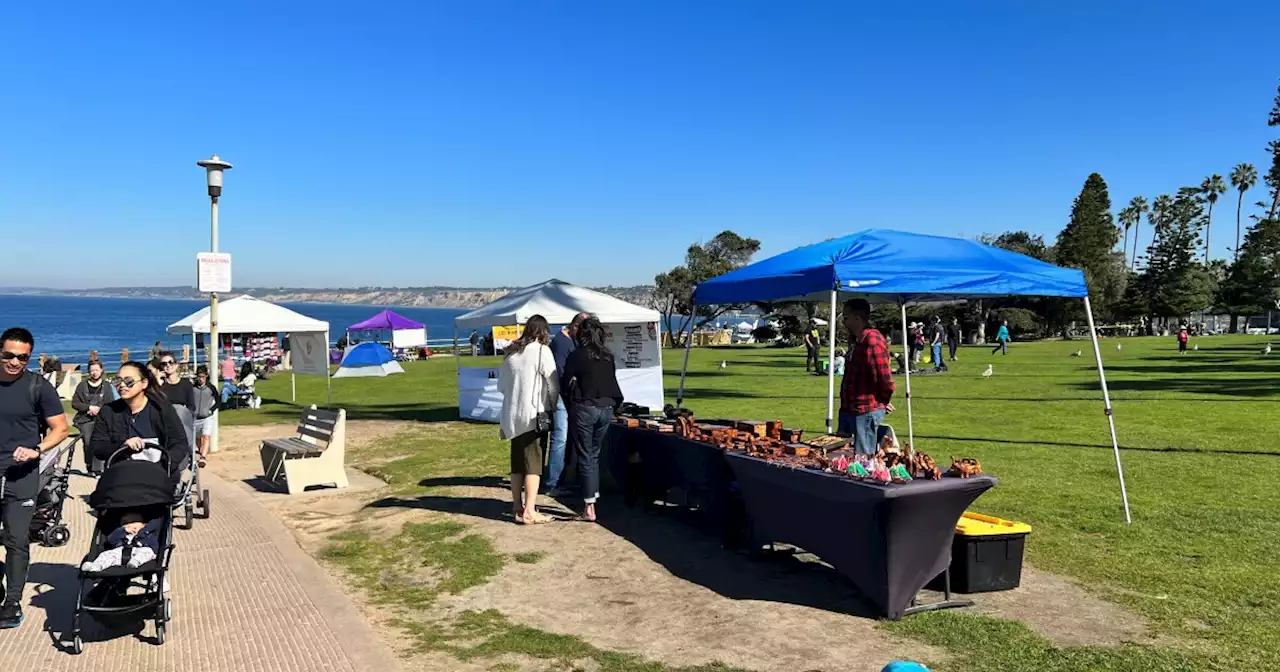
{"points": [[123, 592], [47, 528], [191, 493]]}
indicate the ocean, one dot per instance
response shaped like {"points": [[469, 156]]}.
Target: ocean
{"points": [[71, 326]]}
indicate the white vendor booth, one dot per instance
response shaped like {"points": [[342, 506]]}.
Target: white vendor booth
{"points": [[308, 337], [633, 332]]}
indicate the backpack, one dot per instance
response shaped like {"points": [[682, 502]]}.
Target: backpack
{"points": [[33, 391]]}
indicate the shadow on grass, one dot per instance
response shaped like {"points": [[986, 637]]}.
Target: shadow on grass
{"points": [[407, 411], [1105, 446], [462, 481], [479, 507], [1239, 387]]}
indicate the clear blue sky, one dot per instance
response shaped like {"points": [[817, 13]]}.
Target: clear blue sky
{"points": [[483, 143]]}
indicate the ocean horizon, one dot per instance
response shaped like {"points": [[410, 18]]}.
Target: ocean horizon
{"points": [[70, 326]]}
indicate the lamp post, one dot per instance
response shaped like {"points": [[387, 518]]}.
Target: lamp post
{"points": [[213, 167]]}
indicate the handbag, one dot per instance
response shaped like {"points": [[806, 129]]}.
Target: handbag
{"points": [[542, 421]]}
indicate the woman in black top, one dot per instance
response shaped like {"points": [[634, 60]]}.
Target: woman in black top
{"points": [[140, 420], [592, 391]]}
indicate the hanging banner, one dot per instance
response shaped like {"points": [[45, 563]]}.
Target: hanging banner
{"points": [[309, 352], [503, 336], [634, 346]]}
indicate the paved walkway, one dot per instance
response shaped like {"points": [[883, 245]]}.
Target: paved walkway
{"points": [[245, 597]]}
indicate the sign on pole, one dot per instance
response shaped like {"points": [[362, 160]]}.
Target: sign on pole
{"points": [[213, 272]]}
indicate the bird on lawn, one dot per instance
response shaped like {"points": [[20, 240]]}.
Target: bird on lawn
{"points": [[724, 365], [1195, 347], [1267, 350], [1119, 347], [1076, 353], [990, 370]]}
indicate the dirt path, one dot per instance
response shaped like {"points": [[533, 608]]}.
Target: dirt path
{"points": [[655, 586]]}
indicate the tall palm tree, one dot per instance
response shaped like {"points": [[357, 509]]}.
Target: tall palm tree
{"points": [[1212, 187], [1127, 218], [1159, 215], [1243, 177], [1138, 208]]}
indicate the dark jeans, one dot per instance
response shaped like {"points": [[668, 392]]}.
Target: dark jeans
{"points": [[590, 423], [16, 508], [952, 345], [1002, 348], [811, 359], [86, 433]]}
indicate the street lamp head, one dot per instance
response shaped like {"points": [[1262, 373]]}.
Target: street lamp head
{"points": [[213, 167]]}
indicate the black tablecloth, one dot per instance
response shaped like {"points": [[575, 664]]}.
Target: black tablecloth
{"points": [[890, 540]]}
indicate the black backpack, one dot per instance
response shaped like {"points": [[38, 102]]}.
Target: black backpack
{"points": [[33, 389]]}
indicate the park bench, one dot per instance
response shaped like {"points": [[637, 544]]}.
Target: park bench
{"points": [[315, 456]]}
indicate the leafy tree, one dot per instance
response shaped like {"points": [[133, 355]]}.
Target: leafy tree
{"points": [[1022, 242], [1252, 283], [673, 290], [1243, 177], [1088, 243], [1212, 187], [1273, 175], [1173, 284]]}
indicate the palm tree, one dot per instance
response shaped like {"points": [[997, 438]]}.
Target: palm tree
{"points": [[1159, 215], [1243, 177], [1212, 187], [1126, 219], [1137, 208]]}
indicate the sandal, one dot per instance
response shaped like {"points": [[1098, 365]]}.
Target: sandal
{"points": [[535, 519]]}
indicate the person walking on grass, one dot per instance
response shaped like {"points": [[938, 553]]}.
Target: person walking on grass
{"points": [[562, 345], [867, 386], [529, 386], [90, 396], [1183, 337], [590, 381], [812, 347], [937, 339], [32, 422], [953, 337], [475, 343], [1002, 338]]}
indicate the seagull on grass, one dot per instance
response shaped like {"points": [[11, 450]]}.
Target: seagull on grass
{"points": [[1076, 353], [990, 370], [1267, 350], [1195, 347], [1119, 347], [724, 364]]}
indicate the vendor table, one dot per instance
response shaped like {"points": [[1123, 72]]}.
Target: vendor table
{"points": [[889, 540]]}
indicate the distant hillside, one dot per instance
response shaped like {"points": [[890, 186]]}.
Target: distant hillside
{"points": [[429, 297]]}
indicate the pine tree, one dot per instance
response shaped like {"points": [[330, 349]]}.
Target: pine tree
{"points": [[1173, 283], [1088, 243], [1253, 281]]}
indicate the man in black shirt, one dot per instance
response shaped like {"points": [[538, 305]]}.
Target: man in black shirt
{"points": [[28, 404], [177, 390], [562, 345], [953, 337]]}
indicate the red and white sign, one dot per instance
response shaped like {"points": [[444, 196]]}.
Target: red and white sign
{"points": [[213, 272]]}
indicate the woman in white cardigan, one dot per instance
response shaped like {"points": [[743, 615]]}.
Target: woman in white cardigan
{"points": [[529, 386]]}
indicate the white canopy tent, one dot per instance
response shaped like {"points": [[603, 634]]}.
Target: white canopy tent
{"points": [[634, 339], [309, 337]]}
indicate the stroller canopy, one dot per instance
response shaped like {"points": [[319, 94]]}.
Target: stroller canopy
{"points": [[131, 484]]}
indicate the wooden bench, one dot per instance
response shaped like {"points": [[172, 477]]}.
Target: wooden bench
{"points": [[315, 456]]}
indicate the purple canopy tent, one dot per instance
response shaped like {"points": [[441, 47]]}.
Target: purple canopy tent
{"points": [[405, 333]]}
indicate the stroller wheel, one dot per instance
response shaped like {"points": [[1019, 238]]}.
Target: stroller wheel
{"points": [[77, 645], [204, 504], [166, 611], [160, 632], [188, 516], [56, 536]]}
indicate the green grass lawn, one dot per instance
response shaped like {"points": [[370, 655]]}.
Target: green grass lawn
{"points": [[1198, 435]]}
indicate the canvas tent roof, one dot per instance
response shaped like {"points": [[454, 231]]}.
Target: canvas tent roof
{"points": [[386, 320], [903, 266], [245, 315], [559, 302]]}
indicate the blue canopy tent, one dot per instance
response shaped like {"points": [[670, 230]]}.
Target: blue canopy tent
{"points": [[368, 359], [880, 265]]}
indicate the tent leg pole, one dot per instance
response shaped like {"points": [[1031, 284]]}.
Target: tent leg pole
{"points": [[293, 387], [906, 370], [688, 345], [831, 365], [1106, 400]]}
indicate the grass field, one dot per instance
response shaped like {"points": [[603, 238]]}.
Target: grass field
{"points": [[1199, 441]]}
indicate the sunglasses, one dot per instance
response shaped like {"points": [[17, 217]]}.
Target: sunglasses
{"points": [[126, 383], [168, 363], [6, 355]]}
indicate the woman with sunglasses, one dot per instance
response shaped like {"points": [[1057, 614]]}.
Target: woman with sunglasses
{"points": [[141, 420]]}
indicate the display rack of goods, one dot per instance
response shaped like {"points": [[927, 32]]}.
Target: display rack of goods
{"points": [[755, 427], [791, 435], [964, 467]]}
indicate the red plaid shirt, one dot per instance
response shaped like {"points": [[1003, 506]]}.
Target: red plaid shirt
{"points": [[868, 381]]}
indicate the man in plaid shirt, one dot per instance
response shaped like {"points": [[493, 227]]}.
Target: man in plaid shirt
{"points": [[868, 383]]}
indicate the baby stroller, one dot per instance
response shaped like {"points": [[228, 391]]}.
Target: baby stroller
{"points": [[121, 593], [47, 528], [190, 494]]}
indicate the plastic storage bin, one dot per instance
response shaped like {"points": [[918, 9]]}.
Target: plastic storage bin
{"points": [[986, 554]]}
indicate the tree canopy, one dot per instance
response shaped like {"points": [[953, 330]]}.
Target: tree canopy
{"points": [[673, 290]]}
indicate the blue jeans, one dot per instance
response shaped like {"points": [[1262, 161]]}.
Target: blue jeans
{"points": [[559, 436], [590, 423], [1003, 348], [863, 428], [937, 356], [228, 389]]}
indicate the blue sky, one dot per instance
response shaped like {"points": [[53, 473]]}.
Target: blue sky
{"points": [[485, 143]]}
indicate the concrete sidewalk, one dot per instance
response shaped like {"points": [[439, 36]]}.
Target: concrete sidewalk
{"points": [[245, 597]]}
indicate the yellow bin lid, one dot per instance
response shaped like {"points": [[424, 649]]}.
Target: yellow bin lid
{"points": [[978, 525]]}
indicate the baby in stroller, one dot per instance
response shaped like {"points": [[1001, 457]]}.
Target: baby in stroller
{"points": [[135, 543]]}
